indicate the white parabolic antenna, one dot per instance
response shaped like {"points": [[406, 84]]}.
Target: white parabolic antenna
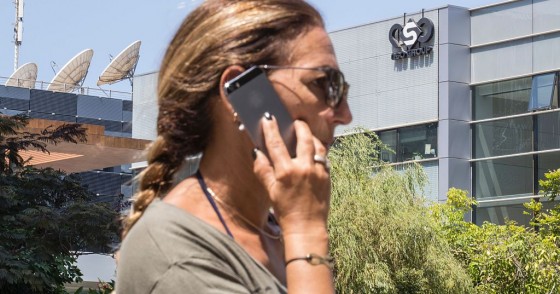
{"points": [[122, 66], [25, 76], [73, 73]]}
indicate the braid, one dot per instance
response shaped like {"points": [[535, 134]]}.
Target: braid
{"points": [[154, 181]]}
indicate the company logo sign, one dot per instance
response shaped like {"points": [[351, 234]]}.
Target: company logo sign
{"points": [[412, 39]]}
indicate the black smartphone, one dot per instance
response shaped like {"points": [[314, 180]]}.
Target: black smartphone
{"points": [[251, 94]]}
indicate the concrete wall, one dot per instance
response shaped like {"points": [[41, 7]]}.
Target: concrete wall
{"points": [[454, 100]]}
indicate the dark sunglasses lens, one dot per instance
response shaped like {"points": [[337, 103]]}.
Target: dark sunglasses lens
{"points": [[336, 87]]}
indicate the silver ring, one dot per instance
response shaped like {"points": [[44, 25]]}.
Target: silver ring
{"points": [[322, 160]]}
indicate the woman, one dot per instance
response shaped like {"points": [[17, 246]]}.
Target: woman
{"points": [[213, 231]]}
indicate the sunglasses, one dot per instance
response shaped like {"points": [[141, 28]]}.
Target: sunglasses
{"points": [[333, 83]]}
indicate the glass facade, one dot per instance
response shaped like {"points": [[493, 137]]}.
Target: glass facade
{"points": [[515, 142], [510, 176], [548, 131], [501, 98], [503, 137], [499, 214]]}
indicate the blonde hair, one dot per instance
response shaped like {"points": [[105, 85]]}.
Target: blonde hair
{"points": [[217, 34]]}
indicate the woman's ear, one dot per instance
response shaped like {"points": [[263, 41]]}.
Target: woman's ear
{"points": [[229, 73]]}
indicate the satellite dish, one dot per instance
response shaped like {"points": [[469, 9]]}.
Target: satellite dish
{"points": [[122, 66], [25, 76], [73, 73]]}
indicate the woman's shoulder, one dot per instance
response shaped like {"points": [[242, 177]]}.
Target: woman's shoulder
{"points": [[170, 227], [170, 242]]}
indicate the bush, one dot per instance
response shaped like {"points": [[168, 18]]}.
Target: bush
{"points": [[382, 236], [499, 258]]}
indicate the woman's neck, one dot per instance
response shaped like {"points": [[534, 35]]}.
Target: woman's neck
{"points": [[227, 169]]}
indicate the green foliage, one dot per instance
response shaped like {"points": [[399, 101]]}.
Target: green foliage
{"points": [[382, 237], [551, 186], [45, 215], [547, 222], [499, 258]]}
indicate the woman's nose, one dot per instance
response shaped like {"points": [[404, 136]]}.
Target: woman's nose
{"points": [[342, 114]]}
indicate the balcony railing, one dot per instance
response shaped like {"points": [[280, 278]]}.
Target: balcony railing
{"points": [[40, 85]]}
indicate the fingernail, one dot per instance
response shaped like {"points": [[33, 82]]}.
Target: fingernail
{"points": [[267, 116], [254, 153]]}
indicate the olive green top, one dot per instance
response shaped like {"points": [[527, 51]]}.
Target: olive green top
{"points": [[171, 251]]}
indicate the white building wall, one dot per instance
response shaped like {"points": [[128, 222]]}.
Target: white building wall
{"points": [[385, 93], [145, 108], [501, 22], [515, 39]]}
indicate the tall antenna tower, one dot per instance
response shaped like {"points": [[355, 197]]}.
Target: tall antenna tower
{"points": [[18, 30]]}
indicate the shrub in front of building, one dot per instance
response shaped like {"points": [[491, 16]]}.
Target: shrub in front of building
{"points": [[503, 258], [382, 236]]}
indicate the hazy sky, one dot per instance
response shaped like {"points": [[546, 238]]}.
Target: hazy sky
{"points": [[56, 30]]}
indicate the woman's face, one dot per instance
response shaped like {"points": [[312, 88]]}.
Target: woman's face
{"points": [[303, 91]]}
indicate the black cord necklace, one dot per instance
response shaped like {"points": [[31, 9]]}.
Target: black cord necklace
{"points": [[212, 198], [212, 202]]}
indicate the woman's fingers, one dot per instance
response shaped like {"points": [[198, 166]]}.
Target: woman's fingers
{"points": [[320, 155], [299, 187], [305, 147], [263, 169], [275, 146]]}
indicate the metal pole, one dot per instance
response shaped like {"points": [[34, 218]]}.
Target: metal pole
{"points": [[18, 31]]}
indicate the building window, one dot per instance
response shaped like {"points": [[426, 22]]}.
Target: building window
{"points": [[418, 142], [503, 177], [514, 210], [544, 92], [499, 214], [501, 98], [389, 138], [409, 143], [503, 137], [547, 162], [548, 131]]}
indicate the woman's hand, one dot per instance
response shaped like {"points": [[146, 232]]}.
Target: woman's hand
{"points": [[299, 187]]}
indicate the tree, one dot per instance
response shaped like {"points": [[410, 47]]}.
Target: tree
{"points": [[548, 222], [499, 258], [382, 237], [46, 216]]}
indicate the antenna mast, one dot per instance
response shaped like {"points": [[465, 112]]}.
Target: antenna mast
{"points": [[18, 30]]}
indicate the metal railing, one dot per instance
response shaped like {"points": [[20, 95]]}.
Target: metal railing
{"points": [[67, 88]]}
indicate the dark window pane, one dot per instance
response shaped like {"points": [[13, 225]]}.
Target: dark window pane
{"points": [[541, 91], [389, 138], [548, 131], [503, 137], [499, 214], [512, 176], [501, 98], [547, 162], [417, 142]]}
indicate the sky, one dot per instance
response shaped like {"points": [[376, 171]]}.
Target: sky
{"points": [[57, 30]]}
